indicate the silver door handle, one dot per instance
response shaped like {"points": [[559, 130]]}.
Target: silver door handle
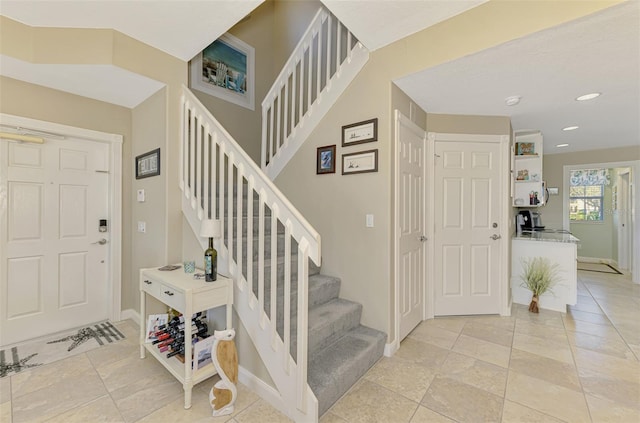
{"points": [[101, 242], [494, 237], [422, 238]]}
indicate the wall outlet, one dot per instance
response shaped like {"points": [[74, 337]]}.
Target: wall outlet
{"points": [[553, 191], [140, 196], [142, 227]]}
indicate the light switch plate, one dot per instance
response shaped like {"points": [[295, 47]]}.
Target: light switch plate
{"points": [[369, 221], [141, 196], [553, 191], [142, 227]]}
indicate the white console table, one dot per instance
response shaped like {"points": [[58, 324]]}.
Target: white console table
{"points": [[183, 293]]}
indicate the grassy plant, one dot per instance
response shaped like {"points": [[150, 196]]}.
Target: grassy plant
{"points": [[539, 275]]}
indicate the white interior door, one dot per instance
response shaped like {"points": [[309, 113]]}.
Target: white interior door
{"points": [[410, 231], [467, 219], [55, 261]]}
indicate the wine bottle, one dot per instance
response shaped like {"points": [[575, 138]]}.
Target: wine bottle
{"points": [[176, 352], [210, 263]]}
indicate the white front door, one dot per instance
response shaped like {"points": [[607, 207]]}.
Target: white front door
{"points": [[410, 231], [55, 260], [467, 218]]}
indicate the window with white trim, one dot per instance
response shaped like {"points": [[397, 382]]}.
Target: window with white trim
{"points": [[586, 195]]}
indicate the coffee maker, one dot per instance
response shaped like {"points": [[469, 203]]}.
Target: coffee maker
{"points": [[530, 221]]}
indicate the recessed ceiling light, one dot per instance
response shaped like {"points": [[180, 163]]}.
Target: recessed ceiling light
{"points": [[570, 128], [513, 100], [588, 97], [562, 145]]}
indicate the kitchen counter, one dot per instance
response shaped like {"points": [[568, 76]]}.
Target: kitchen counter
{"points": [[555, 236], [558, 246]]}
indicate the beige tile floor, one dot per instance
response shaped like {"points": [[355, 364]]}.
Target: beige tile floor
{"points": [[576, 367]]}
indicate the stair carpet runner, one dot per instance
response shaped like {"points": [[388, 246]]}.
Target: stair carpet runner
{"points": [[340, 349]]}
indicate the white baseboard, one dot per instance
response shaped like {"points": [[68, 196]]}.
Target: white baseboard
{"points": [[263, 389], [597, 260], [130, 314], [391, 348]]}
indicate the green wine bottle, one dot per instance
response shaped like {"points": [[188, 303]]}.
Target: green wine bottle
{"points": [[210, 263]]}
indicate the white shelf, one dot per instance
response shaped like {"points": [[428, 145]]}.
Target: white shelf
{"points": [[529, 165], [176, 367]]}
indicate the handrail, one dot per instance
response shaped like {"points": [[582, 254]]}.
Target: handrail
{"points": [[215, 173], [325, 60]]}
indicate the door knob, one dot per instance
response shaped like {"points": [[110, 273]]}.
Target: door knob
{"points": [[422, 238], [494, 237], [101, 241]]}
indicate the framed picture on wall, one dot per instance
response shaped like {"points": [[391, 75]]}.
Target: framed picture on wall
{"points": [[361, 162], [225, 69], [148, 164], [361, 132], [326, 160]]}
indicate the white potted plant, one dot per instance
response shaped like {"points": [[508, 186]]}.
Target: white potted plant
{"points": [[539, 276]]}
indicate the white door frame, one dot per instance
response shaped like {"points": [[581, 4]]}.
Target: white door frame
{"points": [[635, 189], [395, 345], [624, 240], [505, 213], [115, 194]]}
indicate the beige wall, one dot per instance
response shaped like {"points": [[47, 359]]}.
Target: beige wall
{"points": [[336, 205], [290, 21], [457, 124], [37, 102], [148, 248]]}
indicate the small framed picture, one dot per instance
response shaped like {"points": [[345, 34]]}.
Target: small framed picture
{"points": [[326, 159], [148, 164], [361, 132], [361, 162], [525, 148]]}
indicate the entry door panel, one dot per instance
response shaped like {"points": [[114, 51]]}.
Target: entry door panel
{"points": [[467, 181], [56, 273]]}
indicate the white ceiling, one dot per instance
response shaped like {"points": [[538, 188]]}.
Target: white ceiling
{"points": [[548, 69], [369, 19]]}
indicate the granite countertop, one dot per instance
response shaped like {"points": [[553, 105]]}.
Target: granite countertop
{"points": [[565, 237]]}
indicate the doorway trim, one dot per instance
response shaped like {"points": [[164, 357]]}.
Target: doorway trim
{"points": [[635, 230], [115, 193], [505, 213]]}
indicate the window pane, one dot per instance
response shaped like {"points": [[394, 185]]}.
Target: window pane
{"points": [[576, 191], [594, 191], [576, 209], [593, 209]]}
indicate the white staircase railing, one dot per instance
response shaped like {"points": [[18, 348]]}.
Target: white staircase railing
{"points": [[220, 181], [325, 61]]}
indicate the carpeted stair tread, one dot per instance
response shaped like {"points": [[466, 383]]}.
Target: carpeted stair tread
{"points": [[335, 368], [331, 320], [322, 289]]}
